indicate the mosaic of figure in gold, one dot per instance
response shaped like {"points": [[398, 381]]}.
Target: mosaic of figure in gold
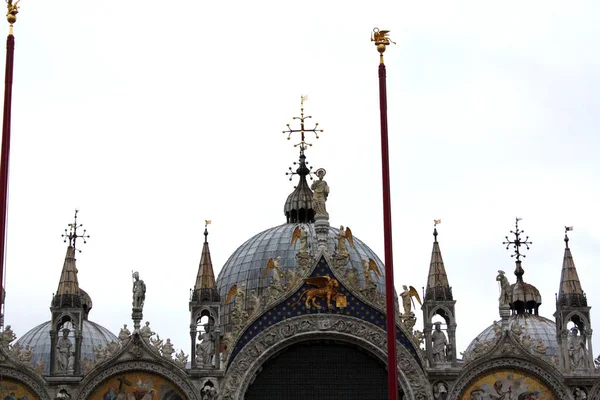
{"points": [[507, 385], [13, 390], [137, 386]]}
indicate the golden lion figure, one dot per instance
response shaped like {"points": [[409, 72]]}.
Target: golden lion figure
{"points": [[326, 288]]}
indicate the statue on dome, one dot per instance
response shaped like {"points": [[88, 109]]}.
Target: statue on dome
{"points": [[576, 345], [181, 358], [539, 347], [300, 234], [343, 235], [504, 298], [146, 332], [139, 291], [26, 356], [439, 342], [64, 346], [320, 193], [100, 354]]}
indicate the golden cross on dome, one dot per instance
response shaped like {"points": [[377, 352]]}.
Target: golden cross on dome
{"points": [[303, 130]]}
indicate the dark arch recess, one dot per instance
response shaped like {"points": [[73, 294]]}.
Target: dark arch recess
{"points": [[320, 370]]}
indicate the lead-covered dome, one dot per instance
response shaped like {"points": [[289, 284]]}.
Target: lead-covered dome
{"points": [[534, 332], [247, 265], [38, 340]]}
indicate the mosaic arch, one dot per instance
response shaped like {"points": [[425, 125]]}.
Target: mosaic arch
{"points": [[137, 385], [13, 390], [507, 383]]}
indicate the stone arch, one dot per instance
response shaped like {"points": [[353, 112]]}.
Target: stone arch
{"points": [[594, 392], [534, 368], [299, 329], [445, 313], [584, 321], [32, 381], [174, 375]]}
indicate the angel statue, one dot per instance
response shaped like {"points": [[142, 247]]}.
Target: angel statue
{"points": [[407, 295], [345, 234], [238, 315], [300, 233], [274, 263], [369, 266]]}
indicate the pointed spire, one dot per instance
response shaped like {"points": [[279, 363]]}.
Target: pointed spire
{"points": [[67, 293], [570, 292], [205, 288], [437, 282]]}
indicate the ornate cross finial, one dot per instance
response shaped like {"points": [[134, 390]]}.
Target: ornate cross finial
{"points": [[303, 144], [436, 222], [567, 229], [72, 235], [303, 168], [517, 243], [382, 40]]}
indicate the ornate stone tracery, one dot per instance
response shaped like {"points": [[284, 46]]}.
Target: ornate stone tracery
{"points": [[273, 339]]}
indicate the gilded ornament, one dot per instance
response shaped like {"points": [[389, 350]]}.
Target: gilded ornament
{"points": [[326, 288]]}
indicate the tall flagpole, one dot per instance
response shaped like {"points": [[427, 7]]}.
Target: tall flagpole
{"points": [[11, 17], [381, 40]]}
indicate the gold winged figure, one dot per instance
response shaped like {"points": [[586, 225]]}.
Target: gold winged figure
{"points": [[300, 233], [273, 263], [407, 298], [234, 291], [326, 288], [345, 234], [371, 265]]}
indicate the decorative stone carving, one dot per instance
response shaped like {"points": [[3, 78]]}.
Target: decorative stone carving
{"points": [[101, 354], [157, 343], [579, 394], [273, 339], [7, 337], [124, 335], [439, 342], [440, 391], [320, 193], [26, 357], [181, 359], [64, 352], [209, 392], [577, 350], [205, 350], [34, 382], [505, 296], [597, 361], [167, 350], [176, 375]]}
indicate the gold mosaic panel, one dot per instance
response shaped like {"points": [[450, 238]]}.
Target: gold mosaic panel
{"points": [[137, 386], [13, 390], [507, 384]]}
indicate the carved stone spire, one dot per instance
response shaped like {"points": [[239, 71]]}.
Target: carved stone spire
{"points": [[570, 293], [67, 293], [437, 282], [205, 288]]}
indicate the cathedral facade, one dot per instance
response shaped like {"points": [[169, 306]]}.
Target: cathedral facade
{"points": [[298, 312]]}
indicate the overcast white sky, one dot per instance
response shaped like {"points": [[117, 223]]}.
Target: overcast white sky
{"points": [[152, 116]]}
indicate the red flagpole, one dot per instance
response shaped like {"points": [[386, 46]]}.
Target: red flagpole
{"points": [[5, 152], [381, 40]]}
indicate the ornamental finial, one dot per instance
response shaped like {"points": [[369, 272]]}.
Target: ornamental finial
{"points": [[517, 242], [71, 235], [382, 40], [11, 14], [303, 144]]}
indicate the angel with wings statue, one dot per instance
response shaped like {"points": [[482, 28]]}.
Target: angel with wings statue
{"points": [[345, 234], [300, 233], [369, 266], [407, 295]]}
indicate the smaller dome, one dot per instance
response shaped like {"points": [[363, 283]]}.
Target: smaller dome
{"points": [[535, 333], [298, 206], [38, 340]]}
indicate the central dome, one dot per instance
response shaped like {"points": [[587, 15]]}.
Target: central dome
{"points": [[247, 265]]}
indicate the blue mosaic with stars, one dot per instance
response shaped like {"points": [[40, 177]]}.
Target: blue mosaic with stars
{"points": [[293, 306]]}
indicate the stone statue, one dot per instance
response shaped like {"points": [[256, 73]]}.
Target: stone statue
{"points": [[39, 367], [209, 392], [146, 332], [504, 299], [100, 354], [124, 335], [139, 291], [253, 303], [439, 341], [497, 328], [112, 348], [576, 344], [206, 348], [597, 361], [64, 346], [409, 321], [181, 358], [226, 343], [320, 193], [440, 391], [26, 356], [407, 295], [168, 350], [7, 337], [579, 394], [157, 343], [526, 341], [87, 365]]}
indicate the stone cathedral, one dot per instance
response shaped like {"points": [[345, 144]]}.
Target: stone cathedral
{"points": [[298, 312]]}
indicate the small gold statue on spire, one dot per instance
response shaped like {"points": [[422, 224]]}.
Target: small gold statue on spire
{"points": [[12, 11], [381, 39]]}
